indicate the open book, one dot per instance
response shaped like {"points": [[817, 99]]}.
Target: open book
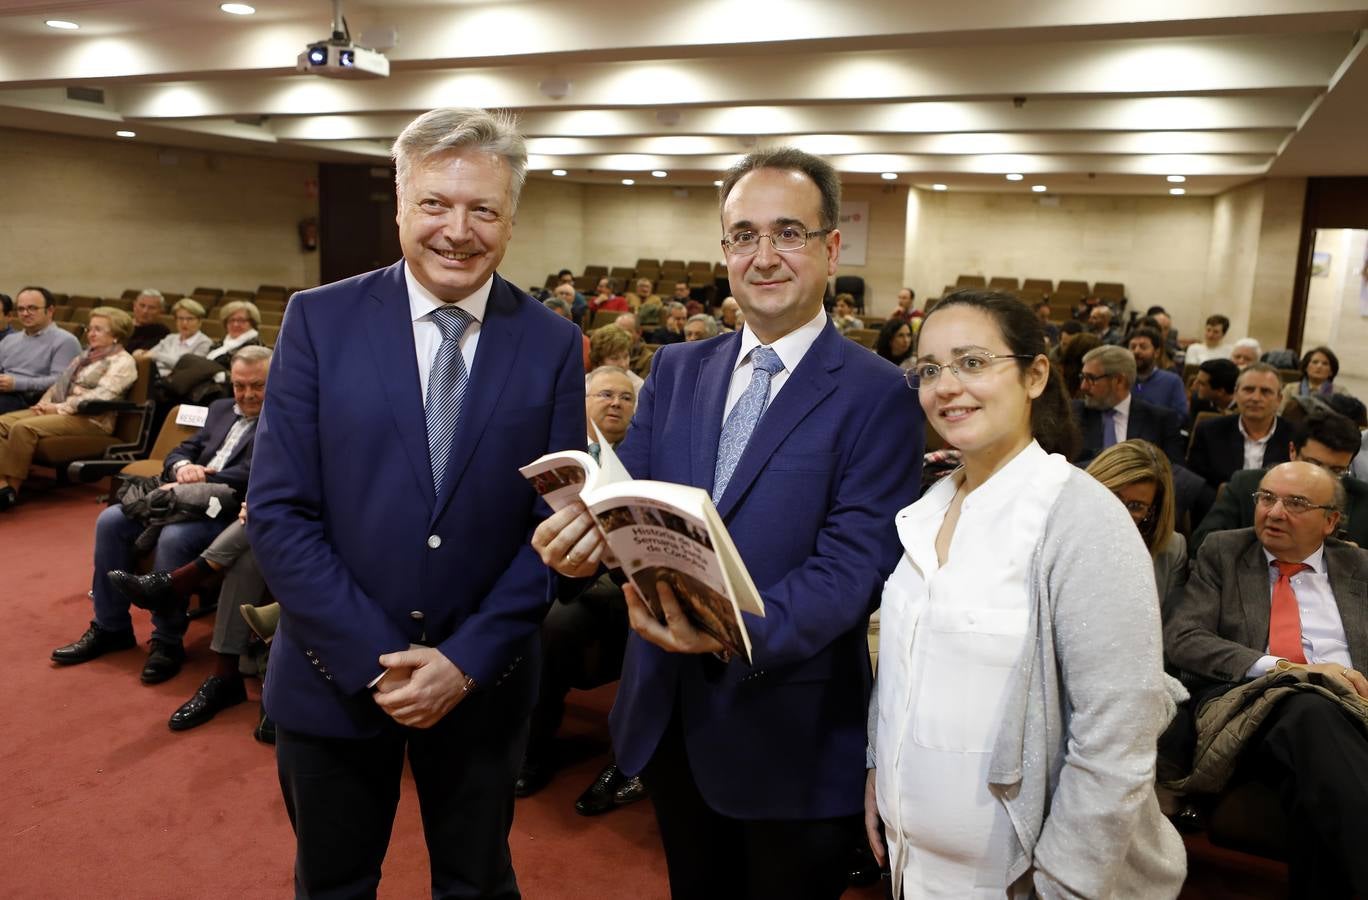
{"points": [[658, 532]]}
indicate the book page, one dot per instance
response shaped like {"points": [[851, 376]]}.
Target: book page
{"points": [[561, 477]]}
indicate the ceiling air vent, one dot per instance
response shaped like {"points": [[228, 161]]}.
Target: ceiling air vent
{"points": [[85, 94]]}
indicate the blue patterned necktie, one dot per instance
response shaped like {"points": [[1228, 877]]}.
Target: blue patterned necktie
{"points": [[446, 387], [1108, 427], [736, 431]]}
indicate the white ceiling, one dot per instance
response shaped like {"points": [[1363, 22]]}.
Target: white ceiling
{"points": [[1078, 95]]}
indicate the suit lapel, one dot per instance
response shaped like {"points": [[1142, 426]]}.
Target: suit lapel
{"points": [[389, 328], [1135, 421], [495, 356], [709, 402], [1351, 597], [1255, 595], [806, 387]]}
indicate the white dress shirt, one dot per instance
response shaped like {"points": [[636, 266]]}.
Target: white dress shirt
{"points": [[1198, 353], [791, 348], [1323, 639], [1121, 419], [427, 337], [1254, 448]]}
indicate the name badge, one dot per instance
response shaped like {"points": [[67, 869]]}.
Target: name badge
{"points": [[192, 416]]}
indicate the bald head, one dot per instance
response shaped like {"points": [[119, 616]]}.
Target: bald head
{"points": [[1293, 534]]}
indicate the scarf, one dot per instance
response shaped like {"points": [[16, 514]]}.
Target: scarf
{"points": [[1327, 388], [62, 388]]}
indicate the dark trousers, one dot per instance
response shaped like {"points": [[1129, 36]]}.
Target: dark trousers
{"points": [[715, 857], [341, 795], [1317, 760]]}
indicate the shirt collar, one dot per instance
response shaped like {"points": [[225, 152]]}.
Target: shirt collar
{"points": [[1123, 408], [422, 301], [237, 411], [1263, 440], [1316, 560], [791, 348]]}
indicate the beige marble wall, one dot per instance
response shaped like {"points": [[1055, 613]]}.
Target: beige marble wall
{"points": [[1275, 273], [1236, 218], [96, 217], [886, 252]]}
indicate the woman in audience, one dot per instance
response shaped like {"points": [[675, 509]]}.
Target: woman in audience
{"points": [[187, 338], [1319, 367], [843, 313], [611, 346], [1020, 691], [104, 371], [895, 342], [1138, 473], [241, 319], [1071, 360]]}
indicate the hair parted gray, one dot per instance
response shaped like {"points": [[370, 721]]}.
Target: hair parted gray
{"points": [[794, 160], [1114, 361], [253, 355], [459, 128]]}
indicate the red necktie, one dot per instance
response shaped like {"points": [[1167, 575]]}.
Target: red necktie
{"points": [[1284, 619]]}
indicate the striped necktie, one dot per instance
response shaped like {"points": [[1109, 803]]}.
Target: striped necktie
{"points": [[446, 387]]}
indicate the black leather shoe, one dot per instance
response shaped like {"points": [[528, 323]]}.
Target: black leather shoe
{"points": [[9, 497], [630, 791], [95, 642], [217, 693], [598, 797], [152, 591], [265, 729], [163, 662], [533, 775]]}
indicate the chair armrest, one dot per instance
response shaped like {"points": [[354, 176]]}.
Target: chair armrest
{"points": [[99, 407]]}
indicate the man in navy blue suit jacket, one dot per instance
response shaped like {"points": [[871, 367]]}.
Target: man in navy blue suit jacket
{"points": [[219, 453], [756, 772], [411, 599]]}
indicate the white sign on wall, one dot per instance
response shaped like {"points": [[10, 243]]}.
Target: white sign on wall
{"points": [[854, 232]]}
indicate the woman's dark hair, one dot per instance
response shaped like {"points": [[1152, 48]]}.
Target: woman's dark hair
{"points": [[883, 344], [1328, 354], [1350, 407], [1071, 360], [1052, 422]]}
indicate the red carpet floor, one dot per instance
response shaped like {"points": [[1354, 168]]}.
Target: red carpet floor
{"points": [[99, 799]]}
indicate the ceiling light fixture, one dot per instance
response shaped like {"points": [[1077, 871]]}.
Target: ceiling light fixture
{"points": [[1015, 176], [61, 24], [629, 181], [940, 187], [1177, 192], [1038, 188], [559, 173], [126, 134], [659, 173], [889, 176], [237, 9], [1177, 179]]}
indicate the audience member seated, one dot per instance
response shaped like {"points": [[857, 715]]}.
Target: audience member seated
{"points": [[1325, 439], [148, 329], [1153, 384], [241, 319], [583, 638], [1071, 352], [640, 353], [105, 371], [188, 339], [671, 330], [1253, 438], [6, 312], [611, 346], [561, 304], [1269, 628], [700, 327], [1109, 412], [1213, 388], [1245, 351], [904, 310], [579, 305], [1100, 321], [1352, 408], [203, 379], [1068, 330], [681, 293], [645, 303], [1319, 368], [1169, 336], [843, 314], [220, 453], [1042, 311], [1213, 344], [730, 313], [894, 342], [607, 299], [33, 357], [1139, 475]]}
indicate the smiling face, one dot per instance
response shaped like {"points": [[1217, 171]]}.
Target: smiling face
{"points": [[778, 292], [249, 385], [987, 416], [1214, 334], [843, 309], [455, 220]]}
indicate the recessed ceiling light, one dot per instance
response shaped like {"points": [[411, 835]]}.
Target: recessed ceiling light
{"points": [[717, 184], [1038, 188], [237, 9], [1177, 192], [629, 181], [660, 173], [1177, 179], [889, 176], [126, 134], [62, 24], [940, 187], [1015, 176], [559, 173]]}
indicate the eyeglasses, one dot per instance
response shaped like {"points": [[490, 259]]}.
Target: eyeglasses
{"points": [[610, 396], [785, 240], [1138, 507], [28, 309], [187, 318], [1294, 505], [967, 367], [1093, 379]]}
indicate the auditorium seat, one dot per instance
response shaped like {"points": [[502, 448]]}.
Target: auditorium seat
{"points": [[971, 281], [73, 327], [1044, 285], [1110, 290], [604, 317], [268, 334], [865, 337], [61, 313], [1073, 287], [125, 443], [854, 285], [648, 264], [595, 271], [131, 294], [1002, 283], [622, 275], [168, 438], [673, 264]]}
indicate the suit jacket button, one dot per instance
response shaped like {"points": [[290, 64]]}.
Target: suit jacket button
{"points": [[434, 541], [416, 615]]}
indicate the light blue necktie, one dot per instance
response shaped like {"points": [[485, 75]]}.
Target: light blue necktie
{"points": [[446, 387], [736, 431], [1108, 427]]}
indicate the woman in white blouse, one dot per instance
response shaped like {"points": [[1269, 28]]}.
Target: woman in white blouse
{"points": [[186, 339], [1020, 690]]}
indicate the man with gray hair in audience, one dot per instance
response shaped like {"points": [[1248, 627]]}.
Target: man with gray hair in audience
{"points": [[700, 327], [671, 331], [31, 359], [1245, 351], [148, 328], [1109, 413]]}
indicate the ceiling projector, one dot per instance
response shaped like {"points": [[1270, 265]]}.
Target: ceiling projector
{"points": [[340, 58]]}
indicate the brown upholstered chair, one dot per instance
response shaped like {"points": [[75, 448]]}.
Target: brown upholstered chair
{"points": [[168, 439], [128, 441]]}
